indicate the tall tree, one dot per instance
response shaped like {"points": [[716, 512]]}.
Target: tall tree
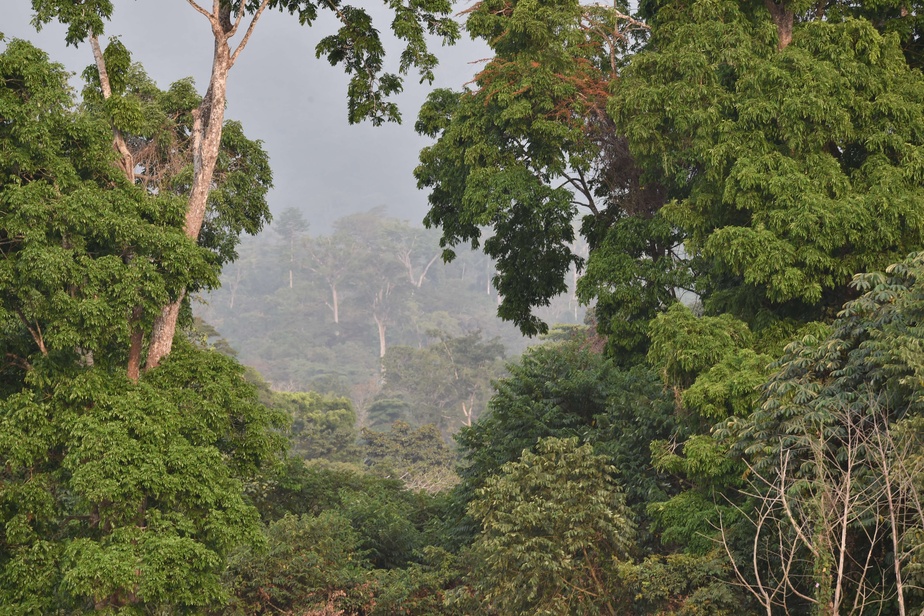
{"points": [[332, 257], [531, 146], [786, 139], [356, 45], [114, 494], [291, 225]]}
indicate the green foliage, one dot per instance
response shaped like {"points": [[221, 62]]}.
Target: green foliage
{"points": [[678, 584], [321, 426], [553, 390], [683, 345], [390, 521], [420, 458], [309, 563], [419, 589], [633, 273], [315, 564], [730, 387], [131, 492], [790, 170], [553, 522]]}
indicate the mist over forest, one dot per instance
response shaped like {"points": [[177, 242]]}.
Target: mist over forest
{"points": [[357, 311], [206, 409]]}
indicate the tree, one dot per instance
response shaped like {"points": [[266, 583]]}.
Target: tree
{"points": [[448, 382], [529, 145], [128, 495], [356, 45], [322, 426], [290, 225], [107, 242], [153, 134], [383, 283], [114, 493], [784, 139], [552, 524], [332, 257]]}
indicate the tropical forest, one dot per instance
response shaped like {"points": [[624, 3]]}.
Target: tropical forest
{"points": [[656, 346]]}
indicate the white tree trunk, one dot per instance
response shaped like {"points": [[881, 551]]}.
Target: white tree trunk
{"points": [[208, 122]]}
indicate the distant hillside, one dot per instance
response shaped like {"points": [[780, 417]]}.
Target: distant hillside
{"points": [[320, 312]]}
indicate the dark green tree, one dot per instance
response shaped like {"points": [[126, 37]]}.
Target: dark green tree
{"points": [[114, 494], [321, 426], [566, 390], [529, 145]]}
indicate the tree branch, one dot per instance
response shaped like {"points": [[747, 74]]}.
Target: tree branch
{"points": [[201, 10], [253, 22]]}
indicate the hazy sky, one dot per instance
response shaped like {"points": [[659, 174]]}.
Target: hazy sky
{"points": [[295, 103]]}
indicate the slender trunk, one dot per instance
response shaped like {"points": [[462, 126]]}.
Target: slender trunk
{"points": [[238, 274], [208, 120], [381, 325], [335, 299], [127, 166], [291, 257], [423, 274], [127, 161], [784, 18]]}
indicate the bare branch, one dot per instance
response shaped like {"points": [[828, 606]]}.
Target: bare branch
{"points": [[201, 10], [253, 23]]}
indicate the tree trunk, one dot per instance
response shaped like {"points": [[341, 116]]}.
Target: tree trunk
{"points": [[783, 17], [162, 333], [136, 344], [127, 165], [381, 325], [208, 122], [335, 299]]}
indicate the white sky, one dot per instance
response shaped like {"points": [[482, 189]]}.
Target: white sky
{"points": [[295, 103]]}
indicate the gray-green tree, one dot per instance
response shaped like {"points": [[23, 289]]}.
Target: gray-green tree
{"points": [[448, 382]]}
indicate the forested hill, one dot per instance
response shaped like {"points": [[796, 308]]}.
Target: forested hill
{"points": [[320, 311]]}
